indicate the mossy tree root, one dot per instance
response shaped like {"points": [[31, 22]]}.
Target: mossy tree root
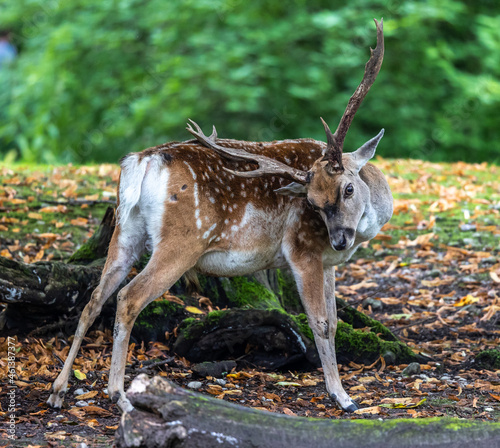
{"points": [[268, 338], [166, 415], [275, 339]]}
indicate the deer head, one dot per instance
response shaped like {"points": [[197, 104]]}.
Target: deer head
{"points": [[332, 186]]}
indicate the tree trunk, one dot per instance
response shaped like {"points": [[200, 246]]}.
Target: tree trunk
{"points": [[167, 416]]}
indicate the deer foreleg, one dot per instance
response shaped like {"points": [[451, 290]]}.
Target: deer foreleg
{"points": [[316, 289], [332, 378]]}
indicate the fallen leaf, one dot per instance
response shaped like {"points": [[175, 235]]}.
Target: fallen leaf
{"points": [[86, 396], [82, 222], [494, 276], [370, 410], [496, 397], [289, 412], [80, 375], [96, 410], [403, 405], [194, 310], [467, 300]]}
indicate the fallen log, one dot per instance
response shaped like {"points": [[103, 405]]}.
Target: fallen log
{"points": [[166, 415], [51, 294], [36, 293]]}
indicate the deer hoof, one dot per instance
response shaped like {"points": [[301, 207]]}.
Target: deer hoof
{"points": [[121, 401], [115, 397], [56, 400], [351, 408], [124, 405]]}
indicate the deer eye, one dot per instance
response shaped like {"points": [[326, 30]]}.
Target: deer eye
{"points": [[349, 190]]}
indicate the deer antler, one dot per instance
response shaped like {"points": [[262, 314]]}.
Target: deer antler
{"points": [[266, 164], [335, 142]]}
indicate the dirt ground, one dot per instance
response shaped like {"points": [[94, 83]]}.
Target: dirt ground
{"points": [[449, 385]]}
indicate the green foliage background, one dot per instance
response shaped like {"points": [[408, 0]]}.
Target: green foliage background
{"points": [[96, 79]]}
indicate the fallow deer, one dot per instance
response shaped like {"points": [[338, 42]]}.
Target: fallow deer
{"points": [[225, 208]]}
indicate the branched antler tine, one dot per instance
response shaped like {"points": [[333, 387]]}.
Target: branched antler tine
{"points": [[372, 68], [213, 135], [329, 135], [229, 153], [266, 164], [198, 129]]}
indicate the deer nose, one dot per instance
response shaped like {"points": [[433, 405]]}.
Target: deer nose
{"points": [[342, 244]]}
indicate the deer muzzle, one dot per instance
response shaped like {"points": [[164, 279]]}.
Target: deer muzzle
{"points": [[341, 239]]}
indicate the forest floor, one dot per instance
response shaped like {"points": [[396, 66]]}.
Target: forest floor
{"points": [[432, 276]]}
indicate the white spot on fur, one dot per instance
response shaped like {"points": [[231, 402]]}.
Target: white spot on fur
{"points": [[191, 169], [207, 233]]}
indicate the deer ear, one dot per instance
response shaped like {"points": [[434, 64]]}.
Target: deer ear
{"points": [[294, 189], [367, 151]]}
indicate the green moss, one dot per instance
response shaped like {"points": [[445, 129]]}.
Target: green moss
{"points": [[246, 293], [290, 299], [209, 288], [86, 252], [367, 346], [360, 320], [302, 323], [488, 359], [160, 308], [191, 327], [157, 318]]}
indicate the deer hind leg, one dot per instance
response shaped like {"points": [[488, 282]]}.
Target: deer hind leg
{"points": [[313, 286], [162, 271], [123, 251]]}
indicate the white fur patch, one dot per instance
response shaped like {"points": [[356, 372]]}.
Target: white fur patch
{"points": [[131, 178], [153, 196], [143, 191]]}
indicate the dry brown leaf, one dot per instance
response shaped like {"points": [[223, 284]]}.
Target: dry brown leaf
{"points": [[87, 395], [96, 410], [370, 410]]}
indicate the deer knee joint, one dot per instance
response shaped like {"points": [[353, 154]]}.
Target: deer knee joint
{"points": [[321, 328]]}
